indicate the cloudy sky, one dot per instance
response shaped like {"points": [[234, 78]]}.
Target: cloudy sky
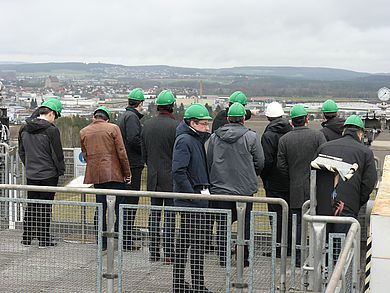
{"points": [[348, 34]]}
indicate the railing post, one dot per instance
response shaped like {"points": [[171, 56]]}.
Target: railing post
{"points": [[319, 230], [241, 207], [109, 275], [283, 249]]}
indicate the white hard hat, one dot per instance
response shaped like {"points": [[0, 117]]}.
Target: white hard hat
{"points": [[274, 110]]}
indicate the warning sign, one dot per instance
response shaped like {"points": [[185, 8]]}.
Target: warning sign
{"points": [[79, 163]]}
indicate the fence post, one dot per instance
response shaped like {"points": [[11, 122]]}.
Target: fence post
{"points": [[109, 275], [241, 207]]}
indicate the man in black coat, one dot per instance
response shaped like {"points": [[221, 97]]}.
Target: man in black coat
{"points": [[41, 153], [348, 196], [275, 183], [158, 138], [295, 152], [333, 125], [130, 126], [221, 118]]}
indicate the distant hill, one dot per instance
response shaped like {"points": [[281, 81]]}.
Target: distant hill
{"points": [[273, 81], [307, 73]]}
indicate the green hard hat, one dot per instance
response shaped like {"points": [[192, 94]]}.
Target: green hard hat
{"points": [[329, 106], [197, 111], [54, 105], [236, 110], [355, 121], [136, 94], [166, 97], [105, 110], [298, 111], [239, 97]]}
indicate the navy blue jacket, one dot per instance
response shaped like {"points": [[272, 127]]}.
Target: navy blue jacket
{"points": [[189, 165]]}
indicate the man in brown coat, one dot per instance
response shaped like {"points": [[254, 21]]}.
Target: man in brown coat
{"points": [[107, 164]]}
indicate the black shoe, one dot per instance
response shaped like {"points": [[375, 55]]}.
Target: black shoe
{"points": [[26, 242], [47, 244]]}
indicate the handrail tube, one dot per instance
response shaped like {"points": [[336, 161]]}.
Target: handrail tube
{"points": [[354, 230], [340, 220], [213, 197]]}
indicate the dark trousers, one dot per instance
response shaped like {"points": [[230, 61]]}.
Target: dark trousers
{"points": [[191, 236], [278, 210], [168, 231], [102, 199], [129, 214], [37, 218], [222, 224]]}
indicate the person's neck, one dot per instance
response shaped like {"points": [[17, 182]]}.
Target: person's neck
{"points": [[45, 117]]}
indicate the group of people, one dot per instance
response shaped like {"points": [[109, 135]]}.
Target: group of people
{"points": [[177, 161]]}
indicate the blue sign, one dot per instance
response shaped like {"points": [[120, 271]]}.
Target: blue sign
{"points": [[81, 158]]}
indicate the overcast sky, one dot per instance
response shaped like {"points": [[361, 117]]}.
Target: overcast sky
{"points": [[348, 34]]}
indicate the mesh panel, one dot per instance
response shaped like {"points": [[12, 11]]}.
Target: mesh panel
{"points": [[51, 250], [263, 252], [181, 250]]}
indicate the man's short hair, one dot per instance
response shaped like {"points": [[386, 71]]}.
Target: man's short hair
{"points": [[236, 119], [330, 115], [168, 108], [44, 111], [299, 121], [134, 103], [273, 118], [101, 115]]}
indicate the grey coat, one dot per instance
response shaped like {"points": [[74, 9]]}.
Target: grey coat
{"points": [[235, 158], [295, 152]]}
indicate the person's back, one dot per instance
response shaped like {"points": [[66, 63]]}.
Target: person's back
{"points": [[39, 140], [234, 147], [235, 158], [158, 139], [355, 192], [158, 136], [333, 126], [103, 152], [273, 179], [41, 153], [296, 150], [345, 198], [107, 164]]}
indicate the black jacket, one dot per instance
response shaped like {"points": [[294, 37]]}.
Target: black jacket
{"points": [[130, 125], [333, 128], [272, 178], [296, 150], [40, 149], [189, 166], [221, 119], [158, 138], [355, 192]]}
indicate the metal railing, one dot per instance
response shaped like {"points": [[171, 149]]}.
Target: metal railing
{"points": [[313, 255], [110, 275]]}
